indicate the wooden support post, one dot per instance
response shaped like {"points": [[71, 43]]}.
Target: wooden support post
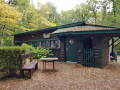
{"points": [[21, 73], [115, 41], [112, 46], [45, 65], [36, 66], [29, 73], [53, 65], [116, 44]]}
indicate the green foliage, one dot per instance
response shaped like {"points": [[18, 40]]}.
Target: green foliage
{"points": [[38, 53], [8, 21], [19, 16], [28, 48], [42, 53], [9, 59], [8, 41]]}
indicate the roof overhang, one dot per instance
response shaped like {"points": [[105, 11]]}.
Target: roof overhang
{"points": [[53, 28], [86, 29], [86, 32]]}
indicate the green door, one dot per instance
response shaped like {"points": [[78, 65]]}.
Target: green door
{"points": [[71, 49], [87, 53]]}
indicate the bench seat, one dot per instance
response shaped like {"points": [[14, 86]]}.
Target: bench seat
{"points": [[30, 67]]}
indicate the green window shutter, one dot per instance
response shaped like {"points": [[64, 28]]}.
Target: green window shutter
{"points": [[48, 44], [43, 43]]}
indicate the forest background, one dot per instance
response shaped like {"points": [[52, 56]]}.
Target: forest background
{"points": [[17, 16]]}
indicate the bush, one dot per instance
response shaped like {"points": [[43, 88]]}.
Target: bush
{"points": [[9, 59], [28, 48], [8, 41], [38, 52], [42, 53]]}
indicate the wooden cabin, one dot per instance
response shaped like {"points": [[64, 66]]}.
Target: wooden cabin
{"points": [[79, 42]]}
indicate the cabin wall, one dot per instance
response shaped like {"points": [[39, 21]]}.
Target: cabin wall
{"points": [[96, 46], [105, 58], [96, 42], [80, 47], [26, 37], [32, 38], [62, 50], [35, 36]]}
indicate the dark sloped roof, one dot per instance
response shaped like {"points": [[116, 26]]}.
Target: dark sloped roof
{"points": [[84, 28], [55, 28]]}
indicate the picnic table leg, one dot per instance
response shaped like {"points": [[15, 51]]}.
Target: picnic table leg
{"points": [[53, 65], [45, 64]]}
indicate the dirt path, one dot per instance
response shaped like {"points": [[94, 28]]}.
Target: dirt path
{"points": [[68, 77]]}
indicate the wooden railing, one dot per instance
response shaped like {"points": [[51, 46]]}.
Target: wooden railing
{"points": [[88, 57]]}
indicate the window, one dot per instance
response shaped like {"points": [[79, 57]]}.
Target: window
{"points": [[49, 44], [46, 35], [43, 43], [55, 44]]}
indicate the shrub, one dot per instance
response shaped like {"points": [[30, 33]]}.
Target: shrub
{"points": [[38, 52], [42, 53], [9, 59], [28, 48], [8, 41]]}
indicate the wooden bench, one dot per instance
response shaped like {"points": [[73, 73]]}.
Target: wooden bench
{"points": [[33, 64]]}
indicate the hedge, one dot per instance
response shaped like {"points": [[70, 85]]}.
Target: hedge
{"points": [[9, 59]]}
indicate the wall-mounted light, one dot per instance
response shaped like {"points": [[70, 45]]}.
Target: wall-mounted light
{"points": [[71, 41]]}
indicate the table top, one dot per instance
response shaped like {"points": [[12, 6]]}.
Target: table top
{"points": [[50, 58]]}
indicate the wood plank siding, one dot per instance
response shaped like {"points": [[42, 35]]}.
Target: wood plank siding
{"points": [[96, 46], [62, 50], [96, 42], [80, 47], [105, 58]]}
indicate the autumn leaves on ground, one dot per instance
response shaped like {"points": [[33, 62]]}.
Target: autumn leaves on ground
{"points": [[68, 76]]}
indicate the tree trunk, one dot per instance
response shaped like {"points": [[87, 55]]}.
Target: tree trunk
{"points": [[3, 33], [114, 11], [95, 16]]}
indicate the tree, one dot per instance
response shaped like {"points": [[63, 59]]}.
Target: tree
{"points": [[93, 6], [104, 8], [116, 11], [9, 18], [67, 17], [2, 1], [82, 13], [54, 16]]}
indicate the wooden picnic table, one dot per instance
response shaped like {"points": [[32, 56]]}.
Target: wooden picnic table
{"points": [[44, 60]]}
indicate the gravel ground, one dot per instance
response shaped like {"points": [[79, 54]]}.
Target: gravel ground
{"points": [[68, 76]]}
